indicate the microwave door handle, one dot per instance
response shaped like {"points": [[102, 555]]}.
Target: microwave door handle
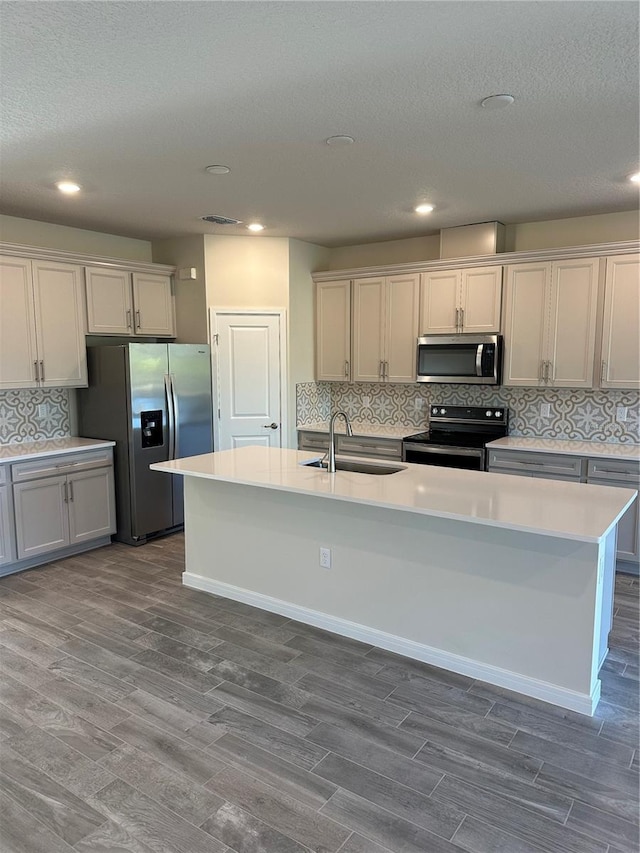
{"points": [[479, 360]]}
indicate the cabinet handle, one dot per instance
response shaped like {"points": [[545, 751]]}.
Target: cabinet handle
{"points": [[346, 369], [386, 370], [541, 373], [461, 319], [128, 318], [64, 493], [603, 371], [457, 319], [42, 371], [381, 371], [138, 324], [35, 370], [550, 371], [70, 482]]}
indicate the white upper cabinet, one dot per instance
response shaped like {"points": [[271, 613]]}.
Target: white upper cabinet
{"points": [[123, 303], [549, 323], [333, 331], [620, 363], [109, 301], [42, 324], [461, 301], [385, 328], [153, 305]]}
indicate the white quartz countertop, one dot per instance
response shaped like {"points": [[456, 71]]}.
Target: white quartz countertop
{"points": [[569, 447], [361, 428], [566, 510], [19, 452]]}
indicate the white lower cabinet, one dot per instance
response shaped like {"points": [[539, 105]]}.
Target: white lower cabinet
{"points": [[61, 502]]}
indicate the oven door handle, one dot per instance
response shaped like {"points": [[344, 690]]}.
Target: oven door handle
{"points": [[479, 360], [442, 449]]}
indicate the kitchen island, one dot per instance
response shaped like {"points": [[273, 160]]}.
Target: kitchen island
{"points": [[501, 578]]}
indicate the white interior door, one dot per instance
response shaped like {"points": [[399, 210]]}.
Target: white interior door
{"points": [[249, 349]]}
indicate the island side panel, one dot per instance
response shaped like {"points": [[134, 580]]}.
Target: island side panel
{"points": [[517, 609]]}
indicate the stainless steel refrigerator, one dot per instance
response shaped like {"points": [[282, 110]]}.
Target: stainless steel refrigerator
{"points": [[154, 401]]}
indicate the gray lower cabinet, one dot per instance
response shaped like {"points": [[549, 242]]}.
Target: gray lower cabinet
{"points": [[626, 474], [62, 502], [356, 445], [7, 535], [603, 472]]}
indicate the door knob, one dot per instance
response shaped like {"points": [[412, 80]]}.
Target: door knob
{"points": [[270, 426]]}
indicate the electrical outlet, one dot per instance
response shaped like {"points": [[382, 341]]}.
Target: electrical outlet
{"points": [[545, 410], [419, 403], [325, 558], [43, 410], [366, 402], [621, 414]]}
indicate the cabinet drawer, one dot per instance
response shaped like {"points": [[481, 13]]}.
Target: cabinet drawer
{"points": [[313, 441], [3, 475], [51, 466], [376, 447], [569, 467], [621, 470]]}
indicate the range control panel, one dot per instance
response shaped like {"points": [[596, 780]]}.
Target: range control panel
{"points": [[469, 414]]}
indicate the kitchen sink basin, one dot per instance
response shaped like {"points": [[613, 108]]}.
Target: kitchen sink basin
{"points": [[356, 466]]}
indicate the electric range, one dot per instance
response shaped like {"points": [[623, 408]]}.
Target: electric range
{"points": [[457, 436]]}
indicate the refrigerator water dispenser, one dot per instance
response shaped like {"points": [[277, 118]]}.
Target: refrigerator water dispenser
{"points": [[151, 426]]}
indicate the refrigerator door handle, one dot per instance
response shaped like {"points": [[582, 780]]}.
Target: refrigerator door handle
{"points": [[176, 416], [168, 393]]}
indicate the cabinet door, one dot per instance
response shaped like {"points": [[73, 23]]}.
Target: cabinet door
{"points": [[7, 538], [439, 302], [401, 327], [481, 299], [153, 305], [17, 325], [620, 367], [333, 331], [60, 324], [109, 307], [369, 297], [572, 323], [91, 505], [525, 323], [42, 520]]}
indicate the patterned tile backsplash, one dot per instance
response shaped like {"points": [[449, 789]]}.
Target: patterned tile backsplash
{"points": [[575, 413], [21, 421]]}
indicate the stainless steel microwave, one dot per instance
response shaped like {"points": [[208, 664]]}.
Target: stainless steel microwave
{"points": [[460, 359]]}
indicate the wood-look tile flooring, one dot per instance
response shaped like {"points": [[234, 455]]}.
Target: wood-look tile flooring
{"points": [[137, 715]]}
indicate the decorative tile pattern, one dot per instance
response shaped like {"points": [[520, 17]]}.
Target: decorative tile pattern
{"points": [[19, 420], [313, 402], [574, 413]]}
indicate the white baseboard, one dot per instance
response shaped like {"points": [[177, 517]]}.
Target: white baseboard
{"points": [[583, 703]]}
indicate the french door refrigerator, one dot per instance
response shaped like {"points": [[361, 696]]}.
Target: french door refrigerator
{"points": [[154, 401]]}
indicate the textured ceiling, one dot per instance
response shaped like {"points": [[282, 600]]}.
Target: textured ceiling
{"points": [[134, 99]]}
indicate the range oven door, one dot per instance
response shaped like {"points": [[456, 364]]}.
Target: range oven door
{"points": [[471, 458]]}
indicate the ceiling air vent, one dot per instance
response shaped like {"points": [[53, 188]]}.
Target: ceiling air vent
{"points": [[221, 220]]}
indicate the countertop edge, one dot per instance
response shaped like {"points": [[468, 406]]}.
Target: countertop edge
{"points": [[33, 453]]}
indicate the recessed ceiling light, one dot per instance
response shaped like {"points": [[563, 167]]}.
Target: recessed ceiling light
{"points": [[68, 187], [635, 178], [424, 208], [497, 102], [339, 140], [218, 170], [255, 226]]}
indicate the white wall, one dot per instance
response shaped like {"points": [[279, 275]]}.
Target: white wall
{"points": [[304, 258], [50, 236], [247, 272], [191, 295], [550, 234]]}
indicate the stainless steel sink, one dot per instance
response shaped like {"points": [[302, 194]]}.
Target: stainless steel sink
{"points": [[356, 466]]}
